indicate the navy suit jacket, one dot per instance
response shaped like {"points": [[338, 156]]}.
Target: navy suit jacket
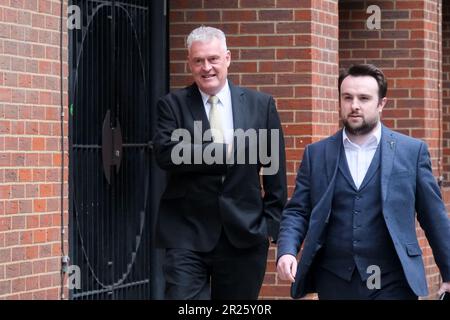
{"points": [[407, 187]]}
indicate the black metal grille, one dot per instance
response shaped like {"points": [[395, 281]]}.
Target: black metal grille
{"points": [[110, 148]]}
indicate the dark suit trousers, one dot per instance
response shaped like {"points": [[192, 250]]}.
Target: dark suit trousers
{"points": [[225, 273], [393, 286]]}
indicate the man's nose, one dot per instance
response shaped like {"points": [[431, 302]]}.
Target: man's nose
{"points": [[356, 104], [206, 65]]}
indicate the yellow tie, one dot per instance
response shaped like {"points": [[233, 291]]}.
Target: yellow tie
{"points": [[215, 121]]}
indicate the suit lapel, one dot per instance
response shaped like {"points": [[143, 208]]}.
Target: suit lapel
{"points": [[332, 153], [238, 107], [388, 146], [195, 105]]}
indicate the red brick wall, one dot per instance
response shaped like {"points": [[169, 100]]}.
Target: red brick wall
{"points": [[407, 48], [279, 47], [446, 91], [30, 155]]}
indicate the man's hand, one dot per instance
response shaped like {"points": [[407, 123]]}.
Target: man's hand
{"points": [[287, 267], [445, 287]]}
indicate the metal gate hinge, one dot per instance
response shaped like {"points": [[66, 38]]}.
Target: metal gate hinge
{"points": [[111, 146]]}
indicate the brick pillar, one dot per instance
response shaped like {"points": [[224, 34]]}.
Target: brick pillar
{"points": [[445, 40], [407, 49], [446, 92], [30, 157], [287, 48]]}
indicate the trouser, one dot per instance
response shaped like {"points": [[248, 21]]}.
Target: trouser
{"points": [[225, 273], [393, 286]]}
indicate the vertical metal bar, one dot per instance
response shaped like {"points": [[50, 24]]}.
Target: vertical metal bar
{"points": [[128, 73], [75, 152], [86, 130], [128, 208], [83, 139], [90, 151], [114, 115], [71, 35], [122, 107], [102, 102], [105, 51], [140, 13], [137, 136], [140, 275], [142, 32], [101, 74], [103, 68], [147, 213], [125, 106], [118, 225], [96, 83], [120, 222], [90, 129], [73, 240], [94, 140], [108, 50]]}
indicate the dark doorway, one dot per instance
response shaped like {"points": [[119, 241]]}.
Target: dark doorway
{"points": [[118, 68]]}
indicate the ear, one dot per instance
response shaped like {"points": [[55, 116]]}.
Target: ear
{"points": [[381, 104], [228, 57]]}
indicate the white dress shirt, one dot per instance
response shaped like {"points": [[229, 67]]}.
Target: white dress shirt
{"points": [[360, 157], [224, 105]]}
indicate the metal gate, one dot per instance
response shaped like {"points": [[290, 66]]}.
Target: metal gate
{"points": [[115, 76]]}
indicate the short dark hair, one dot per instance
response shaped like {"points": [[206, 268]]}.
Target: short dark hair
{"points": [[370, 70]]}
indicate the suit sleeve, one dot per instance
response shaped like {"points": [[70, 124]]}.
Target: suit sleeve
{"points": [[274, 174], [296, 214], [431, 213], [167, 122]]}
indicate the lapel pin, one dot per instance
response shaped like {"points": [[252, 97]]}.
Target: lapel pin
{"points": [[392, 143]]}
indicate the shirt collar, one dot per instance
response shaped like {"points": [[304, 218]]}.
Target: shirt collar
{"points": [[222, 94], [374, 138]]}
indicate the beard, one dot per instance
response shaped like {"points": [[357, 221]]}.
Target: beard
{"points": [[362, 129]]}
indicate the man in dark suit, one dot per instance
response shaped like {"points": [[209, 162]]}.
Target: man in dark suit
{"points": [[215, 221], [354, 206]]}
